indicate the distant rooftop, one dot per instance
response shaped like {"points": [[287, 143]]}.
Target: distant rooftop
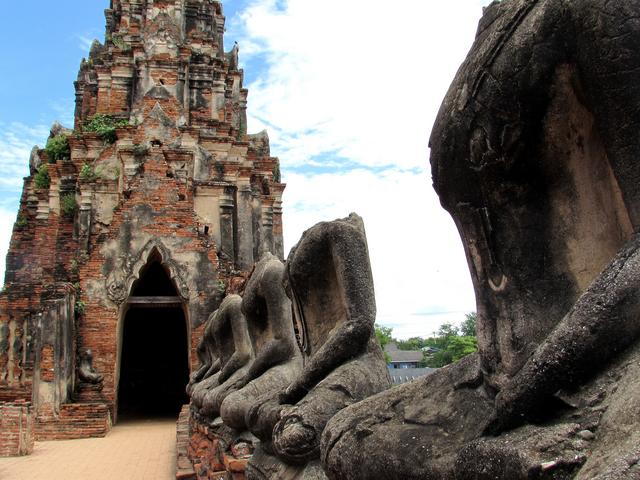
{"points": [[403, 356]]}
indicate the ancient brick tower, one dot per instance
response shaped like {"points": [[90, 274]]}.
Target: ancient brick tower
{"points": [[132, 225]]}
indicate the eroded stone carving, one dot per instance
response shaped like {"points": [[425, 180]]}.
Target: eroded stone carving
{"points": [[129, 266], [231, 335], [267, 310], [232, 57], [208, 356], [329, 281], [86, 372], [534, 153]]}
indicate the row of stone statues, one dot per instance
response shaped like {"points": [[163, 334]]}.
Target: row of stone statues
{"points": [[297, 347], [535, 153]]}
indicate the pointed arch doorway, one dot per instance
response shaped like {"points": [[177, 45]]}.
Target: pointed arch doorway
{"points": [[154, 358]]}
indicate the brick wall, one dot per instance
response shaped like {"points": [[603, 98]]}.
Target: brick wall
{"points": [[16, 429], [75, 420], [184, 466], [18, 324], [47, 371], [173, 222]]}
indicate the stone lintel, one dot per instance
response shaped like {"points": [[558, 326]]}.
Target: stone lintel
{"points": [[155, 302]]}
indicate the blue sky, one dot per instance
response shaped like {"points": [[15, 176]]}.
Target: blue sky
{"points": [[348, 92]]}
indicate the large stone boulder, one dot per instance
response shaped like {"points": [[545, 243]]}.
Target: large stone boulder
{"points": [[535, 155]]}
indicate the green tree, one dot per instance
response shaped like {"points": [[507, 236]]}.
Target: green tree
{"points": [[384, 336], [439, 358], [461, 347], [451, 343], [413, 343], [468, 326], [447, 330]]}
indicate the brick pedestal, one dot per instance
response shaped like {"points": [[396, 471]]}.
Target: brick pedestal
{"points": [[75, 420], [217, 452], [16, 429], [184, 466]]}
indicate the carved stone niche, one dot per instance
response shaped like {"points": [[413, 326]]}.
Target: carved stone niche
{"points": [[278, 361], [535, 155], [231, 333], [328, 278]]}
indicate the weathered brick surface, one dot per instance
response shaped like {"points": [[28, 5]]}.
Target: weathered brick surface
{"points": [[77, 420], [183, 176], [16, 429], [214, 455], [184, 466], [47, 373]]}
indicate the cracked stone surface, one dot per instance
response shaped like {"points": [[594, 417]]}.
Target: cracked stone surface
{"points": [[534, 153]]}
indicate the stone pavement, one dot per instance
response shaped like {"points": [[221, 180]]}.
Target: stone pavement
{"points": [[134, 450]]}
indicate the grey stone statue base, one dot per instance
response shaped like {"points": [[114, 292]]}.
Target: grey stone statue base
{"points": [[594, 434], [413, 431], [264, 466]]}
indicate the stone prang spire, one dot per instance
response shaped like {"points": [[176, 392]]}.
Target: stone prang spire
{"points": [[165, 50]]}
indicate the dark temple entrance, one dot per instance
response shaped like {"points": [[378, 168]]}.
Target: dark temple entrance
{"points": [[154, 368]]}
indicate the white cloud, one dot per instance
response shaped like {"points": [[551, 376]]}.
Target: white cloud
{"points": [[16, 142], [64, 111], [420, 272], [84, 42], [363, 80], [7, 217]]}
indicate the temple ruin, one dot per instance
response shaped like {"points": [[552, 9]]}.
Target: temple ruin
{"points": [[134, 224], [146, 265]]}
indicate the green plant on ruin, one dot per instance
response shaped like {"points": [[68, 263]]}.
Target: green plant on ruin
{"points": [[21, 222], [80, 308], [42, 178], [276, 173], [140, 150], [74, 269], [58, 148], [82, 258], [222, 287], [68, 204], [105, 126], [120, 43], [87, 173]]}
